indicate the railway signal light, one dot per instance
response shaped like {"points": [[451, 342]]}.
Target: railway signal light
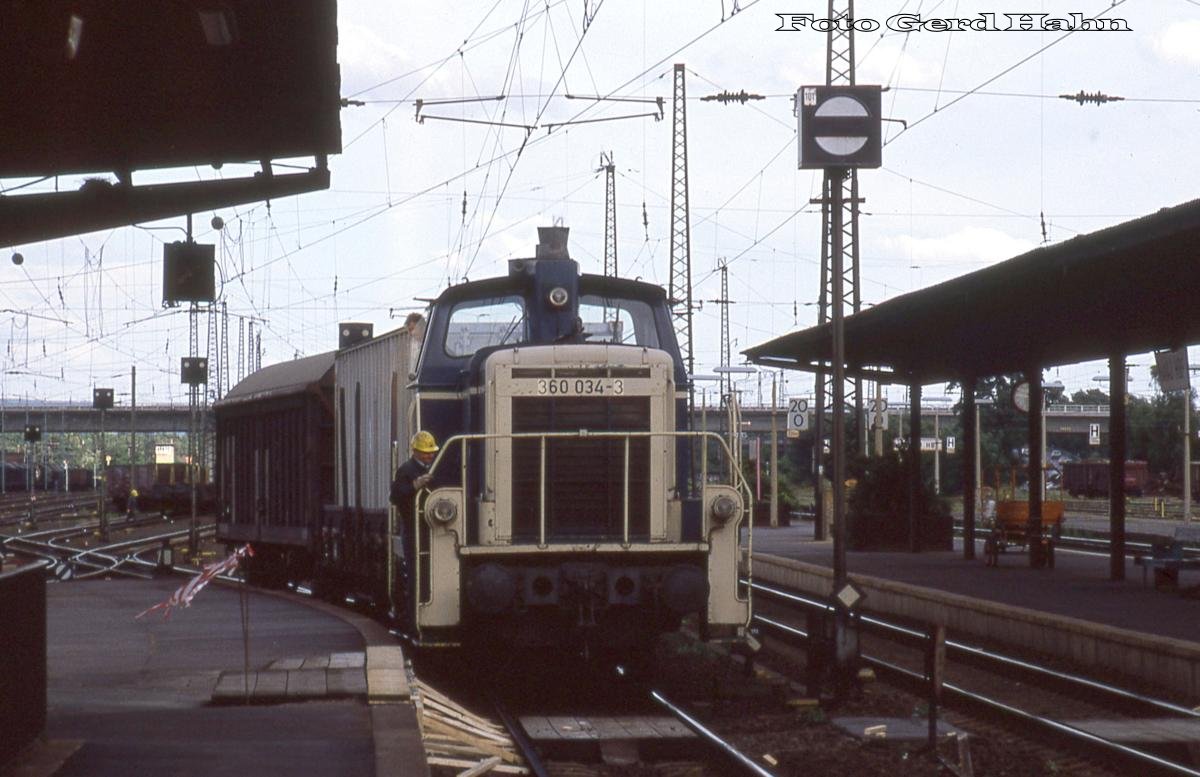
{"points": [[188, 273], [102, 399], [33, 433], [193, 370]]}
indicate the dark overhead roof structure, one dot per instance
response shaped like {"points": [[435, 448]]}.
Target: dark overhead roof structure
{"points": [[1130, 288]]}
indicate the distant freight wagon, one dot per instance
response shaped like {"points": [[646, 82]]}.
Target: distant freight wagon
{"points": [[1090, 478]]}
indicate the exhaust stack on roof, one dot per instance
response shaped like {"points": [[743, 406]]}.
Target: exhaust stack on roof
{"points": [[552, 243]]}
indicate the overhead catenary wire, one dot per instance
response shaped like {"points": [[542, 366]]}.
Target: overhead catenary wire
{"points": [[265, 248]]}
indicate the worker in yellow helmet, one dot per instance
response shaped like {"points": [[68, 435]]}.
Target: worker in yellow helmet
{"points": [[131, 505], [411, 477]]}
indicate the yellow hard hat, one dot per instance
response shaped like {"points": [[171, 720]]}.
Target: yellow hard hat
{"points": [[423, 442]]}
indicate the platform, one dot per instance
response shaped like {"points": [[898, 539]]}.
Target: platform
{"points": [[137, 696], [1078, 586], [1073, 612]]}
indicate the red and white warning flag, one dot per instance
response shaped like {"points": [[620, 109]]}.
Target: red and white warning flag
{"points": [[186, 592]]}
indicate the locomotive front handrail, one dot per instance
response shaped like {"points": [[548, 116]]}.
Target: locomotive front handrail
{"points": [[739, 482]]}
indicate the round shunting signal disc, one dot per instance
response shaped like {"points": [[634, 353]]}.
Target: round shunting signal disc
{"points": [[841, 145]]}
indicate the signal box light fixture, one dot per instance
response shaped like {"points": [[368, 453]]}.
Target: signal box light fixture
{"points": [[188, 273], [102, 399], [840, 126], [193, 370]]}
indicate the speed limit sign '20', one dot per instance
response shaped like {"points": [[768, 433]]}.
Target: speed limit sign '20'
{"points": [[798, 416]]}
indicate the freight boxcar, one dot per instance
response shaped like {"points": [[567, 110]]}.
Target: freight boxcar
{"points": [[274, 464], [161, 487], [372, 414], [1090, 478]]}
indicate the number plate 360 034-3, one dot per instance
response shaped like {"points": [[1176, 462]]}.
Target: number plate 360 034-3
{"points": [[580, 387]]}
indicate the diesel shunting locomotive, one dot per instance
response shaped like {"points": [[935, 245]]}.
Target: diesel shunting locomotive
{"points": [[570, 504]]}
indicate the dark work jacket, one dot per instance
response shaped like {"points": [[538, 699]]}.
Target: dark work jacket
{"points": [[403, 490]]}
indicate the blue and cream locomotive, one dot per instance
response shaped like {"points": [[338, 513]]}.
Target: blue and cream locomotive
{"points": [[569, 505]]}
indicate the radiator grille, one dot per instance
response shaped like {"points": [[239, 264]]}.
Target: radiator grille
{"points": [[583, 476]]}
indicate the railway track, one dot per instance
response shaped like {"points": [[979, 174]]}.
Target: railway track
{"points": [[20, 509], [1078, 541], [710, 750], [70, 561], [552, 715], [1024, 697]]}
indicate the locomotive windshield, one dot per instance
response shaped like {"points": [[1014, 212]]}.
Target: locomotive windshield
{"points": [[615, 320], [480, 323]]}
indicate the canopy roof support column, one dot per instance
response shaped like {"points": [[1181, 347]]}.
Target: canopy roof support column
{"points": [[967, 422], [1033, 530], [1116, 467], [914, 467]]}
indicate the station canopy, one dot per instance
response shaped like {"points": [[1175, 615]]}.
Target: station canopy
{"points": [[1130, 288]]}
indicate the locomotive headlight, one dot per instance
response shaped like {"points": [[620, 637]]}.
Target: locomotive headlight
{"points": [[559, 297], [443, 510], [723, 508]]}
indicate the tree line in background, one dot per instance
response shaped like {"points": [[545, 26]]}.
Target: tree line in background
{"points": [[1154, 435], [82, 449]]}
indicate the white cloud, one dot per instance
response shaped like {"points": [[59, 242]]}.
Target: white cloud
{"points": [[969, 245], [1179, 42], [890, 64], [366, 58]]}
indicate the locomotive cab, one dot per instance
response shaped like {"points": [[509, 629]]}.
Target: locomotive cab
{"points": [[570, 503]]}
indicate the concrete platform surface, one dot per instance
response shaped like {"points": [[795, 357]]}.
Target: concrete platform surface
{"points": [[1078, 586], [136, 693]]}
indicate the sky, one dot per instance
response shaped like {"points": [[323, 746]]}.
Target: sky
{"points": [[988, 163]]}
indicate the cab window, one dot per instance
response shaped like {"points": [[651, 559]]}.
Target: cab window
{"points": [[480, 323], [621, 321]]}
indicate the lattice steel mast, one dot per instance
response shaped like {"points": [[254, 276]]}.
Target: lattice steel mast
{"points": [[610, 214], [726, 349], [224, 385], [680, 291], [839, 70]]}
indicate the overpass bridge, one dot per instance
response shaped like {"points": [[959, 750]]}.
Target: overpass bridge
{"points": [[173, 418], [1060, 419], [59, 419]]}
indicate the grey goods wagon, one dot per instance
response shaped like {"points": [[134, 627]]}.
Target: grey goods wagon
{"points": [[304, 460]]}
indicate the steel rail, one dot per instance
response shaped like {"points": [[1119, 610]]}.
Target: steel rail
{"points": [[1072, 735], [1000, 660], [103, 550], [51, 551], [1072, 541], [726, 750], [521, 740], [58, 554]]}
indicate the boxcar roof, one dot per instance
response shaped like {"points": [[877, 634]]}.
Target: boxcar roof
{"points": [[1126, 289], [283, 379]]}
